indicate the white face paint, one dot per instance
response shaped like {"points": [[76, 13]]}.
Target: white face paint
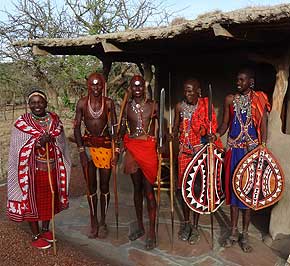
{"points": [[137, 83]]}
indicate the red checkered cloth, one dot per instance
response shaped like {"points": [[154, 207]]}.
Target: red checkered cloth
{"points": [[198, 127], [44, 196], [183, 161]]}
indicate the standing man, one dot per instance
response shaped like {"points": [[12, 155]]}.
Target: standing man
{"points": [[191, 125], [98, 114], [245, 115], [34, 135], [141, 155]]}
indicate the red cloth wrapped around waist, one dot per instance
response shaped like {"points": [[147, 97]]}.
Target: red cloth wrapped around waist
{"points": [[144, 152]]}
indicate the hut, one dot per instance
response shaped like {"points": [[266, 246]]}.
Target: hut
{"points": [[212, 48]]}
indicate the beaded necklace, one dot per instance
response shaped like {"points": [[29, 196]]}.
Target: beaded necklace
{"points": [[43, 121], [138, 109], [98, 113], [243, 104], [187, 113], [187, 110]]}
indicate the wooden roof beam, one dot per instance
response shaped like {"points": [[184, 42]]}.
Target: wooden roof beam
{"points": [[221, 31], [37, 51], [110, 48]]}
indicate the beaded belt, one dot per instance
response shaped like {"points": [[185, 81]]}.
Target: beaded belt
{"points": [[42, 164], [233, 144], [97, 141]]}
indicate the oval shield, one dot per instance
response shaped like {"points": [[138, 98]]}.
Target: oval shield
{"points": [[258, 180], [196, 184]]}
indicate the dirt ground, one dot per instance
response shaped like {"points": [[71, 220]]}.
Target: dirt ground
{"points": [[15, 238]]}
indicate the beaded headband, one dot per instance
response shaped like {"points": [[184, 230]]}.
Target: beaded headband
{"points": [[37, 94]]}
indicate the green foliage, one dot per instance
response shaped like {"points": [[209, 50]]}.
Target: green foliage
{"points": [[63, 77], [66, 101]]}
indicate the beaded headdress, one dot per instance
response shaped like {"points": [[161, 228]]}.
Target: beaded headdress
{"points": [[37, 93]]}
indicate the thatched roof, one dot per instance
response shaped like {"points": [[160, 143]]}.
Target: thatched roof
{"points": [[257, 25]]}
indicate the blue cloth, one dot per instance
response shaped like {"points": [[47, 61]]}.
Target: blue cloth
{"points": [[238, 153]]}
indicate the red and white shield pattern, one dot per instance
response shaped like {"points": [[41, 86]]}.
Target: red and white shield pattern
{"points": [[258, 180], [196, 185]]}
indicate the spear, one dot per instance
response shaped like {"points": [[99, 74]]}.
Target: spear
{"points": [[160, 144], [52, 199], [171, 166], [211, 162], [114, 168], [114, 172]]}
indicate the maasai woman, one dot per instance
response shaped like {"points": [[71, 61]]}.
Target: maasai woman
{"points": [[29, 192]]}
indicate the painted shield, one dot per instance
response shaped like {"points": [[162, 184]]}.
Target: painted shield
{"points": [[258, 180], [197, 184]]}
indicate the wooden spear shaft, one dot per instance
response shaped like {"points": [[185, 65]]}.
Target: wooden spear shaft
{"points": [[171, 166], [114, 169], [211, 162], [52, 199], [161, 124], [114, 172]]}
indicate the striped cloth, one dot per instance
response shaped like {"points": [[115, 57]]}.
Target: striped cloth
{"points": [[22, 178], [259, 104]]}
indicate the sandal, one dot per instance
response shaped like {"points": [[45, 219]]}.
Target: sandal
{"points": [[136, 234], [194, 237], [103, 231], [181, 229], [184, 232], [244, 241], [231, 240], [150, 244], [93, 233]]}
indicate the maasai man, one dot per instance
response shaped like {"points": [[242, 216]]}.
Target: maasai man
{"points": [[141, 155], [191, 124], [29, 193], [245, 114], [98, 114]]}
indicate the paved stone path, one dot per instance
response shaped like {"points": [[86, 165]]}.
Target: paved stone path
{"points": [[73, 225]]}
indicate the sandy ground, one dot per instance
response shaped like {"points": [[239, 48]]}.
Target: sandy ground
{"points": [[15, 240]]}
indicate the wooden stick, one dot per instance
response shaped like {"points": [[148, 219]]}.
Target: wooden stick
{"points": [[211, 222], [171, 166], [211, 162], [160, 144], [122, 111], [158, 191], [114, 172], [52, 199]]}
